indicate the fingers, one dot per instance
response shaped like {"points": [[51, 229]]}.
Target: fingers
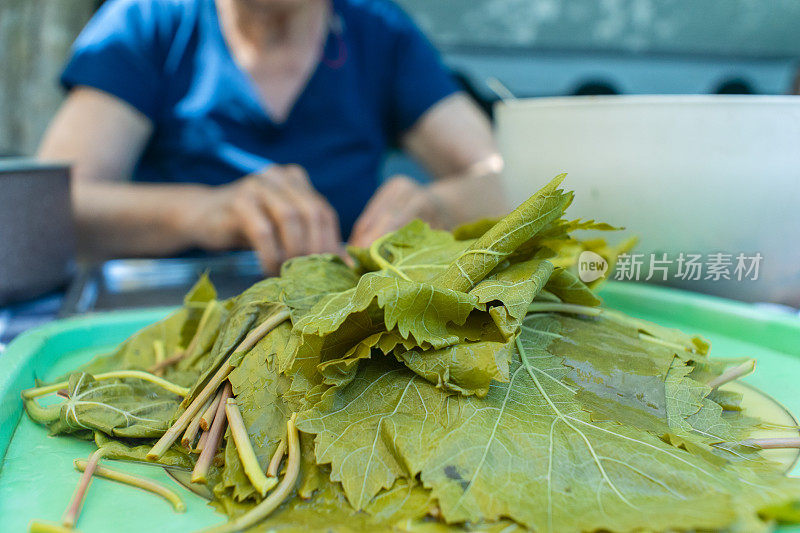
{"points": [[303, 221], [397, 213], [365, 226], [396, 203], [286, 219], [257, 228], [323, 226], [388, 193], [331, 234], [319, 220]]}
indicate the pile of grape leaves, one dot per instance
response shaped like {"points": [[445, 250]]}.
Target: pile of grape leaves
{"points": [[449, 381]]}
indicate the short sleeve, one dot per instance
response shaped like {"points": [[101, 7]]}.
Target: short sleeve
{"points": [[118, 52], [419, 80]]}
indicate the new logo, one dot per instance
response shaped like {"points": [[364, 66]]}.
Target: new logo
{"points": [[591, 266]]}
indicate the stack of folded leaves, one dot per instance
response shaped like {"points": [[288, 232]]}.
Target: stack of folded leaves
{"points": [[464, 381]]}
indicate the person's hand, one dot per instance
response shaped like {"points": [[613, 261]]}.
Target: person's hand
{"points": [[399, 201], [276, 211]]}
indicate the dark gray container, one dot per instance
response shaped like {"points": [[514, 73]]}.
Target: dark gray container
{"points": [[37, 239]]}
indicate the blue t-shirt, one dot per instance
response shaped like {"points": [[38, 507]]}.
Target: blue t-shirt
{"points": [[168, 59]]}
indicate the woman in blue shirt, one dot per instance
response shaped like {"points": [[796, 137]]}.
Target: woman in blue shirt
{"points": [[217, 124]]}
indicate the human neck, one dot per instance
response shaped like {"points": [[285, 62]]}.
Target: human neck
{"points": [[262, 24]]}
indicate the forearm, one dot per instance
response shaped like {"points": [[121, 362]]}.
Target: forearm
{"points": [[463, 199], [103, 137], [454, 141], [128, 219]]}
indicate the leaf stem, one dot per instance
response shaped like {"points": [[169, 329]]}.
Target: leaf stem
{"points": [[573, 309], [547, 296], [210, 447], [208, 415], [666, 344], [277, 457], [255, 335], [772, 444], [35, 392], [158, 368], [158, 352], [375, 254], [42, 415], [483, 252], [245, 450], [37, 526], [71, 514], [191, 430], [259, 332], [201, 442], [172, 434], [733, 373], [200, 327], [134, 481], [189, 350], [277, 497]]}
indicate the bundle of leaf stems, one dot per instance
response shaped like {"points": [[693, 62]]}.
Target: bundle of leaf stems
{"points": [[213, 409]]}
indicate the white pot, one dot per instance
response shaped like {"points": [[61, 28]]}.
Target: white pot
{"points": [[701, 174]]}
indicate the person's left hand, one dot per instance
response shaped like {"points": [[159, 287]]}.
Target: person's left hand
{"points": [[396, 203]]}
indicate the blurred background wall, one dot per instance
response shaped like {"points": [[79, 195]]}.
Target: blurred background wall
{"points": [[35, 36], [729, 27], [582, 47], [534, 47]]}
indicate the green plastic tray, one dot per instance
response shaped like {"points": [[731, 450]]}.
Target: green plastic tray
{"points": [[37, 477]]}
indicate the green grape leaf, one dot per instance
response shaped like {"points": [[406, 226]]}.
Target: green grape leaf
{"points": [[474, 230], [527, 451], [414, 252], [129, 408], [359, 427], [303, 282], [418, 310], [130, 450], [503, 239], [306, 280], [199, 296], [515, 288], [570, 289], [327, 509], [468, 367], [204, 336], [137, 352], [619, 376]]}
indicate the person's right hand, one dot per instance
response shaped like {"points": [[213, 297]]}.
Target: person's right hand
{"points": [[277, 212]]}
